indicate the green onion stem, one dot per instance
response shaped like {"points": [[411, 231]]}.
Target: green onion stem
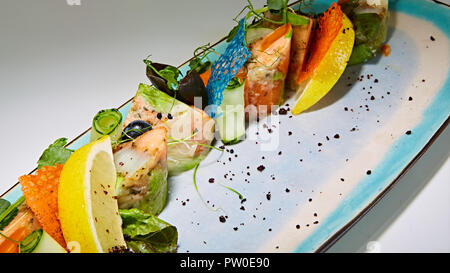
{"points": [[9, 239]]}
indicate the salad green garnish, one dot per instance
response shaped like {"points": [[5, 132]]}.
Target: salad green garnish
{"points": [[274, 6], [56, 153], [235, 83], [198, 63], [169, 73], [7, 213], [145, 233]]}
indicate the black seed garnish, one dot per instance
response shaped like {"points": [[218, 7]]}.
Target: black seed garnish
{"points": [[408, 132], [169, 116], [235, 228], [159, 116], [369, 172], [242, 208], [310, 199], [282, 111], [297, 226], [211, 180], [222, 219], [268, 195], [336, 136], [410, 98], [261, 168], [432, 38], [288, 190]]}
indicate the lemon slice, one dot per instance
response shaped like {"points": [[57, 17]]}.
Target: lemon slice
{"points": [[87, 201], [328, 71]]}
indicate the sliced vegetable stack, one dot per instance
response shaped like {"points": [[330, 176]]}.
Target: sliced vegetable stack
{"points": [[268, 67], [330, 52]]}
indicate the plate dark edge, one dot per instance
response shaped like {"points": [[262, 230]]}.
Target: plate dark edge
{"points": [[340, 233]]}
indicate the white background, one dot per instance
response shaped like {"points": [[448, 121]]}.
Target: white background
{"points": [[60, 64]]}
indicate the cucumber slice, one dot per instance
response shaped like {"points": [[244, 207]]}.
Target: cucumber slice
{"points": [[256, 33], [40, 242], [231, 122], [107, 122]]}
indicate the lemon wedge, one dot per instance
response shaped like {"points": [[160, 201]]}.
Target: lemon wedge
{"points": [[328, 71], [87, 201]]}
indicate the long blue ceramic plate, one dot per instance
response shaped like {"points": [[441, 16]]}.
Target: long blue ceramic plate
{"points": [[325, 168]]}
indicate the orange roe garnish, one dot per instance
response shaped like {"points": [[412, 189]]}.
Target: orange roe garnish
{"points": [[386, 49], [328, 28], [41, 195]]}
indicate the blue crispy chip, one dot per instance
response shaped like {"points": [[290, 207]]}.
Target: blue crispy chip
{"points": [[226, 67]]}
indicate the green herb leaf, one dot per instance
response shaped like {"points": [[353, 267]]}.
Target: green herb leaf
{"points": [[55, 154], [297, 20], [276, 5], [9, 213], [234, 83], [169, 73], [198, 63], [4, 204], [8, 218], [30, 242], [232, 33], [145, 233]]}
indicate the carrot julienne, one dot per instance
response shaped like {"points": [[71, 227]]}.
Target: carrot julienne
{"points": [[41, 195], [205, 76], [328, 28]]}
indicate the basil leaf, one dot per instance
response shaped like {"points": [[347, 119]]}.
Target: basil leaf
{"points": [[55, 154], [145, 233]]}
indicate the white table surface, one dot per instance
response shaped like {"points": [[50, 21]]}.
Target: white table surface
{"points": [[60, 64]]}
